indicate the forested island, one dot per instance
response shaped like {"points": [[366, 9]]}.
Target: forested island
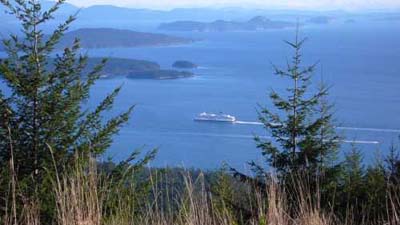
{"points": [[320, 20], [130, 68], [114, 38], [256, 23], [182, 64], [136, 69]]}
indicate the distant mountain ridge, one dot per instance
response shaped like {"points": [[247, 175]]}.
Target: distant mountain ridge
{"points": [[256, 23], [149, 19]]}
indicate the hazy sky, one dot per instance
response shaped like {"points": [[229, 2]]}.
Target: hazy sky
{"points": [[298, 4]]}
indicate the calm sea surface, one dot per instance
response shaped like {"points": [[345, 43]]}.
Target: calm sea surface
{"points": [[360, 62]]}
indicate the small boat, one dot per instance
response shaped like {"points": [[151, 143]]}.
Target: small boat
{"points": [[215, 117]]}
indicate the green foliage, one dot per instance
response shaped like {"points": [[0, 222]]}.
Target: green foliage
{"points": [[304, 141], [360, 192], [44, 120], [353, 188], [224, 193], [44, 126], [353, 173], [376, 193], [128, 188], [304, 147], [393, 165], [304, 138]]}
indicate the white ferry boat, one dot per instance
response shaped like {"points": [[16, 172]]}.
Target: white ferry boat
{"points": [[215, 117]]}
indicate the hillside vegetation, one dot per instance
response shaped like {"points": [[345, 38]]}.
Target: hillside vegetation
{"points": [[52, 148]]}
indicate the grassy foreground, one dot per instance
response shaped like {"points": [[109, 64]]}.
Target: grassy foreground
{"points": [[88, 196]]}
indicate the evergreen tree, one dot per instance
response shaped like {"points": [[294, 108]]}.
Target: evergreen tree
{"points": [[303, 135], [376, 193], [304, 142], [352, 191], [44, 120], [393, 166], [223, 188]]}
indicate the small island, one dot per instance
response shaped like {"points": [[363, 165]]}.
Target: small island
{"points": [[182, 64], [135, 69], [320, 20]]}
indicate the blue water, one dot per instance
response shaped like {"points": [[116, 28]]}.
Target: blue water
{"points": [[362, 63]]}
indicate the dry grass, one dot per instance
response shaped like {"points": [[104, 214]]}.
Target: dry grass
{"points": [[81, 197], [394, 206]]}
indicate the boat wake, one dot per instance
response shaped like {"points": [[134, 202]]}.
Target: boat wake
{"points": [[366, 142], [369, 129], [240, 136], [361, 142], [248, 123], [338, 128]]}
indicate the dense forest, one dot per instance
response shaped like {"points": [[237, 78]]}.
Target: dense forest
{"points": [[51, 145]]}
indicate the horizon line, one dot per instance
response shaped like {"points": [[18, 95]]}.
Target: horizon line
{"points": [[239, 7]]}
